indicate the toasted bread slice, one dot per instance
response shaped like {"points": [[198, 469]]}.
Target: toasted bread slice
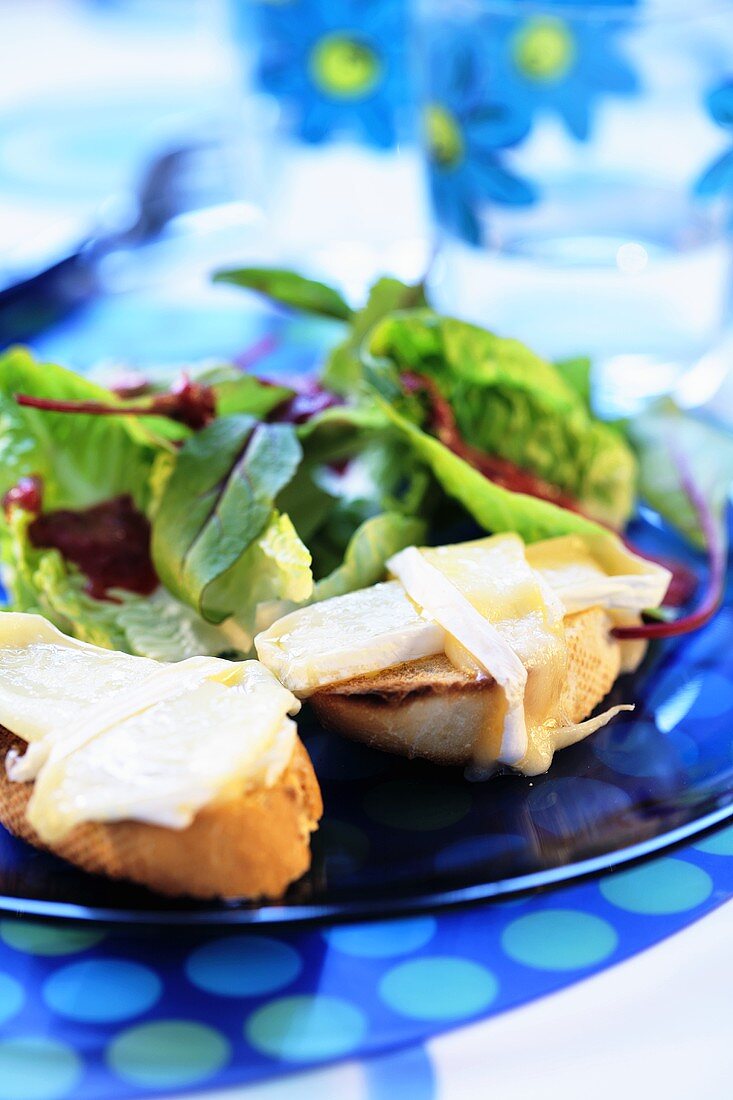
{"points": [[431, 709], [250, 847]]}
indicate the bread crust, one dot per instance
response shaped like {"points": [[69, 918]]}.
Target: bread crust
{"points": [[431, 709], [250, 847]]}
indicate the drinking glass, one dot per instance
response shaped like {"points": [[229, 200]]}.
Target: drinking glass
{"points": [[580, 164], [329, 93]]}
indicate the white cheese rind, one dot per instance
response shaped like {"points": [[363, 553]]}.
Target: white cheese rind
{"points": [[373, 629], [200, 742], [115, 737], [343, 637], [47, 679], [586, 572], [439, 598]]}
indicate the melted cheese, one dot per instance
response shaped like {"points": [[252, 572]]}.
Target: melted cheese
{"points": [[587, 572], [490, 605], [439, 598], [495, 577], [156, 746], [48, 679], [375, 628], [347, 636], [206, 742]]}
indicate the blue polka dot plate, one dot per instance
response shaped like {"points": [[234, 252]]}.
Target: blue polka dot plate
{"points": [[400, 835]]}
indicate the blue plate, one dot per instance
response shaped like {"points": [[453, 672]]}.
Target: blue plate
{"points": [[400, 835]]}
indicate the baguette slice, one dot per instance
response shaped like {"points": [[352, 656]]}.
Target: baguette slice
{"points": [[431, 709], [250, 847]]}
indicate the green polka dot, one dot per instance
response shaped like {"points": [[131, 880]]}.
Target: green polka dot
{"points": [[36, 1068], [717, 844], [656, 889], [37, 938], [419, 807], [443, 987], [243, 966], [306, 1028], [102, 991], [559, 939], [381, 939], [168, 1054]]}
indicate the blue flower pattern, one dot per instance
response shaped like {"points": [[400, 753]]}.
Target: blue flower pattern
{"points": [[337, 66], [489, 84], [717, 180], [545, 63], [464, 129]]}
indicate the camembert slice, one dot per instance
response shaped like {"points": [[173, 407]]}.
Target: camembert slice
{"points": [[112, 736]]}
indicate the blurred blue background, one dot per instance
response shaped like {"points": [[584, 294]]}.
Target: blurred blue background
{"points": [[579, 163]]}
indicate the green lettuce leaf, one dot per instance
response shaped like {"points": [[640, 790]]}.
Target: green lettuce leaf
{"points": [[365, 559], [364, 563], [305, 500], [217, 501], [247, 394], [340, 432], [510, 402], [275, 567], [82, 459], [289, 289], [494, 508], [161, 627], [40, 582], [576, 373], [239, 392], [342, 371], [327, 505]]}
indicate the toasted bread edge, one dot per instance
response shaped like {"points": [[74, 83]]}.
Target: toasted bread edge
{"points": [[250, 847], [431, 710]]}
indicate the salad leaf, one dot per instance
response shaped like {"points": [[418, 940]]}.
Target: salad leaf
{"points": [[665, 432], [340, 431], [342, 371], [156, 626], [275, 567], [576, 373], [239, 392], [364, 563], [247, 394], [357, 467], [82, 460], [289, 289], [494, 508], [216, 503], [161, 627], [307, 502], [330, 542], [365, 559], [511, 403]]}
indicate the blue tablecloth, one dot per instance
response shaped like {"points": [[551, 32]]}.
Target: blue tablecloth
{"points": [[94, 1013]]}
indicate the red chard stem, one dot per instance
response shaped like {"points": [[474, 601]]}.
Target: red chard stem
{"points": [[717, 550], [189, 403]]}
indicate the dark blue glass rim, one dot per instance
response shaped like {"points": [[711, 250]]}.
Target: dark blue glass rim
{"points": [[364, 909]]}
